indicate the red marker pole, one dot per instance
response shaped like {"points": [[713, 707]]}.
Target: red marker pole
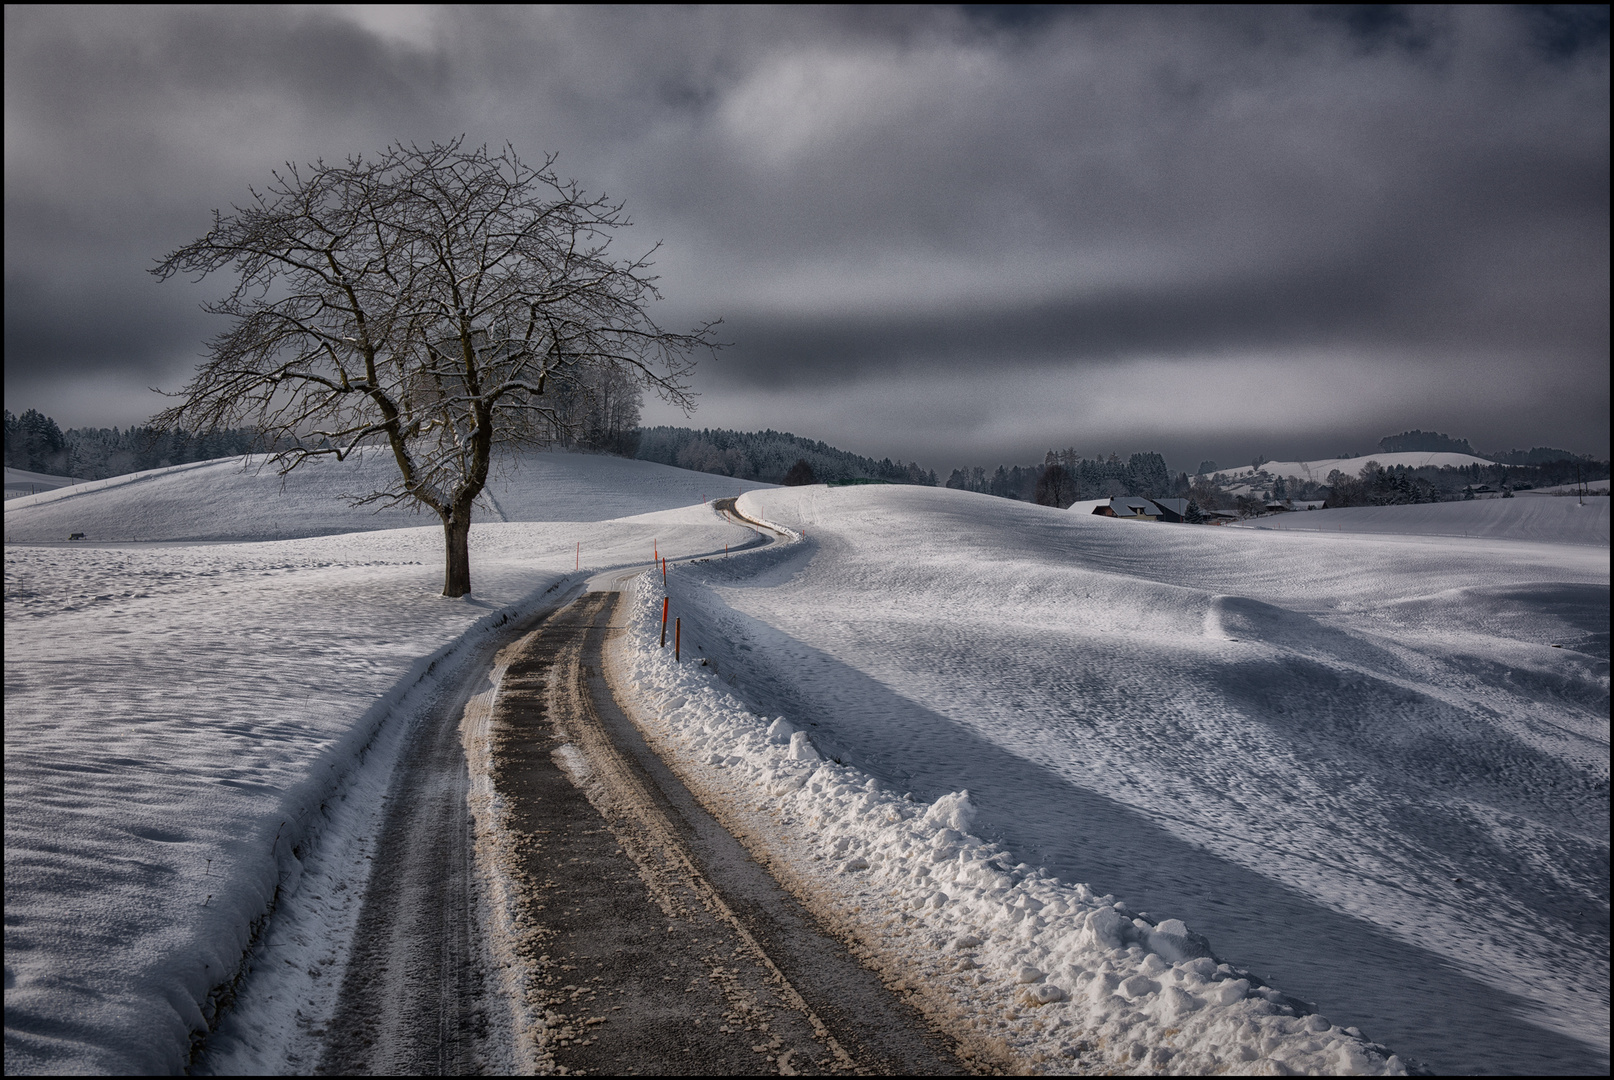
{"points": [[663, 622], [579, 565], [677, 636], [664, 573]]}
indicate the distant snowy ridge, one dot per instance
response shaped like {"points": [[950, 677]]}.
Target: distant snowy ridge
{"points": [[243, 498], [1318, 471], [20, 483], [959, 919]]}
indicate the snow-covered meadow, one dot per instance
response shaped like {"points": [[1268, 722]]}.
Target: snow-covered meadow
{"points": [[1372, 772], [1351, 765], [179, 718], [244, 498], [1541, 519]]}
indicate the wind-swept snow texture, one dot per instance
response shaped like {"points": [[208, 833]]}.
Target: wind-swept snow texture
{"points": [[181, 725], [1358, 767], [243, 499], [1547, 520]]}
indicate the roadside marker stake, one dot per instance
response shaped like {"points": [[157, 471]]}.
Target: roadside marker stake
{"points": [[664, 574], [579, 565], [677, 637], [664, 622]]}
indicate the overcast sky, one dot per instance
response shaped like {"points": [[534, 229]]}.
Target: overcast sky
{"points": [[933, 233]]}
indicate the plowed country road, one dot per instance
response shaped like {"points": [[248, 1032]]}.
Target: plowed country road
{"points": [[663, 948]]}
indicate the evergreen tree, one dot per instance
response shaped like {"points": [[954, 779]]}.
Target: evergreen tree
{"points": [[800, 474]]}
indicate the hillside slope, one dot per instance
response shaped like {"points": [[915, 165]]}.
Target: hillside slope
{"points": [[1318, 470], [1357, 764], [1542, 519], [237, 499]]}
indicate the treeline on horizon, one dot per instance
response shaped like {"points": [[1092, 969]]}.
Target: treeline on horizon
{"points": [[767, 456], [1065, 477], [35, 442], [1433, 442]]}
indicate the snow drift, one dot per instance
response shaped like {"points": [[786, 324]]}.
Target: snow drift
{"points": [[1347, 760]]}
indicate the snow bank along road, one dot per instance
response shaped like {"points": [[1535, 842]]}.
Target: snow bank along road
{"points": [[646, 940], [1373, 772]]}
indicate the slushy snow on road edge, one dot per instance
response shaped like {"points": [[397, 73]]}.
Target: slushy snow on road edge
{"points": [[313, 921], [1076, 975]]}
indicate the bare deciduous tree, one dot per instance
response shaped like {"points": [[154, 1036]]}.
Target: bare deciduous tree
{"points": [[440, 304]]}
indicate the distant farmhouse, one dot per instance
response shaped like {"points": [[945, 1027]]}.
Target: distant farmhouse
{"points": [[1137, 509], [1133, 508]]}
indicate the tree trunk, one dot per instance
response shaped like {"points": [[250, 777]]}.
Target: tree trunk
{"points": [[457, 544]]}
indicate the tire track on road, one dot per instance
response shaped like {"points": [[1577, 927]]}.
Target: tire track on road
{"points": [[660, 946]]}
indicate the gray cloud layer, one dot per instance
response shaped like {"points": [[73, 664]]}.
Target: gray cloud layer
{"points": [[933, 233]]}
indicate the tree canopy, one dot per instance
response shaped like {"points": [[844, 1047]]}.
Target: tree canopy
{"points": [[437, 304]]}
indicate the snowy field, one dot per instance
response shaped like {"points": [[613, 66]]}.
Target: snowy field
{"points": [[238, 499], [1569, 489], [1546, 520], [1349, 765], [1356, 765], [178, 719], [21, 482]]}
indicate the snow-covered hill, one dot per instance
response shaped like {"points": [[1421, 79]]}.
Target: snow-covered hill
{"points": [[1356, 763], [1374, 772], [1319, 470], [237, 499], [21, 482]]}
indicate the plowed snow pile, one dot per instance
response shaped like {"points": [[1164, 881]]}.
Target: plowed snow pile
{"points": [[183, 724], [1356, 767]]}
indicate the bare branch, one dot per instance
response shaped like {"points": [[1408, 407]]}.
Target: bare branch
{"points": [[439, 302]]}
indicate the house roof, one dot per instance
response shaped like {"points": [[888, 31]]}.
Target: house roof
{"points": [[1131, 506]]}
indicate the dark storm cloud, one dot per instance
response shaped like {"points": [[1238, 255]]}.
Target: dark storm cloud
{"points": [[887, 202], [806, 350]]}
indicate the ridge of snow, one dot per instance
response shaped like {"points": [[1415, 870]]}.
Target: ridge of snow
{"points": [[1105, 984], [1365, 739]]}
